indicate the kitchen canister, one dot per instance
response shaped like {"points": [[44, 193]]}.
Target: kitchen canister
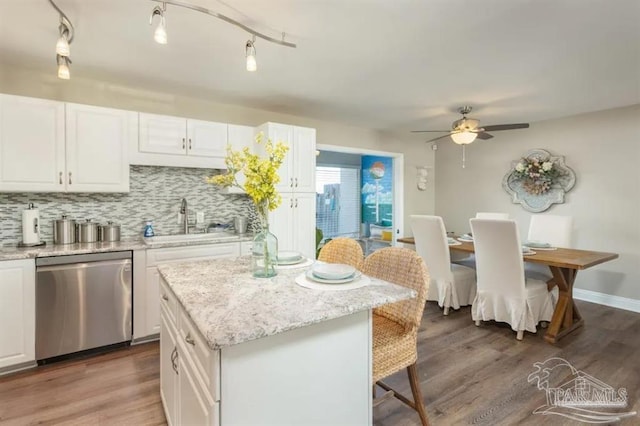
{"points": [[64, 230], [30, 227], [109, 232], [87, 232]]}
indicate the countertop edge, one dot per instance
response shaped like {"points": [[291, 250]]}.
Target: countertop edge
{"points": [[50, 250]]}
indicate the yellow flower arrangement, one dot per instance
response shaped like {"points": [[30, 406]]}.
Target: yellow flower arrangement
{"points": [[261, 175]]}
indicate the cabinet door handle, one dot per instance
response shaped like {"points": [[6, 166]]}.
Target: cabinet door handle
{"points": [[189, 339], [296, 203], [183, 143], [189, 143], [291, 203], [174, 359], [291, 184], [60, 178], [296, 182], [164, 297], [70, 178]]}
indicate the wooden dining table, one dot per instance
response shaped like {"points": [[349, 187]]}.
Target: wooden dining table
{"points": [[564, 264]]}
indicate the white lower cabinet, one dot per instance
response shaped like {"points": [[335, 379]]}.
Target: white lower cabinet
{"points": [[17, 312], [168, 369], [279, 379], [189, 370], [173, 255]]}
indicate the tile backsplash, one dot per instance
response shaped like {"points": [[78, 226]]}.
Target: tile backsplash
{"points": [[155, 194]]}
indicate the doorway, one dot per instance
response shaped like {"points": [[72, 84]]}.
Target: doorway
{"points": [[340, 179]]}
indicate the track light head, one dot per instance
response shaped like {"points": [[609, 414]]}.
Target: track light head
{"points": [[250, 52], [63, 67], [160, 34], [62, 45]]}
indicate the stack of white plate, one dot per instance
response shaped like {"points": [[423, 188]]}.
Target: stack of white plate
{"points": [[289, 257], [332, 273]]}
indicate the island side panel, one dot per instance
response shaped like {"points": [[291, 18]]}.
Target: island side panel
{"points": [[314, 375]]}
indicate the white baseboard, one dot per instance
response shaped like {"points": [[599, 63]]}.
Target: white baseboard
{"points": [[607, 300]]}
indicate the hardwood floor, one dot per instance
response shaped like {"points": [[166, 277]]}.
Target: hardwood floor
{"points": [[470, 375]]}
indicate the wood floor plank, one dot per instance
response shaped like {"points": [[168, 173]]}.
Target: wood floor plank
{"points": [[469, 376]]}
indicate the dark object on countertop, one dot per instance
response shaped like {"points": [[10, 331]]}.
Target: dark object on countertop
{"points": [[218, 227]]}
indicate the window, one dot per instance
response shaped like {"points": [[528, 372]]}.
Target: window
{"points": [[338, 201]]}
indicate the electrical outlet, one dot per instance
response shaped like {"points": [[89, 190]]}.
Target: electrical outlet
{"points": [[199, 217], [180, 218]]}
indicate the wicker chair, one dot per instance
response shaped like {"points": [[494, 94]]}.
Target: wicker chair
{"points": [[342, 250], [395, 326]]}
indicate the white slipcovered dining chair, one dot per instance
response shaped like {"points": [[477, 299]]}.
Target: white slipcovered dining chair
{"points": [[451, 285], [504, 295], [492, 215], [470, 260], [552, 229]]}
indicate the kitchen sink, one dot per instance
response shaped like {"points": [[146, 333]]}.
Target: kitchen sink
{"points": [[185, 238]]}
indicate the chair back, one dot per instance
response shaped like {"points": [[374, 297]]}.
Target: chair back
{"points": [[499, 264], [553, 229], [342, 250], [491, 215], [431, 244], [403, 267]]}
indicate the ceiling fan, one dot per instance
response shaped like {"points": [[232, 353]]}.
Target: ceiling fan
{"points": [[466, 130]]}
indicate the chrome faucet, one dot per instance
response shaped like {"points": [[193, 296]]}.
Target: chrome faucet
{"points": [[185, 216]]}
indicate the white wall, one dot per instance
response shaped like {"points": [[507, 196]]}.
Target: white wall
{"points": [[603, 148], [140, 96]]}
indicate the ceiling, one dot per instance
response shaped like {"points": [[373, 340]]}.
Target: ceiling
{"points": [[389, 65]]}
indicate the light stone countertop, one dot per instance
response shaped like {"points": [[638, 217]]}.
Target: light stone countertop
{"points": [[50, 249], [229, 306]]}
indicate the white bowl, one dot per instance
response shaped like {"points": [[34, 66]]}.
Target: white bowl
{"points": [[289, 256], [333, 271]]}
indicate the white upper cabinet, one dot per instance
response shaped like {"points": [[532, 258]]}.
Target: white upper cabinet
{"points": [[206, 138], [304, 159], [97, 148], [161, 134], [298, 171], [31, 144], [240, 137], [37, 155], [179, 142]]}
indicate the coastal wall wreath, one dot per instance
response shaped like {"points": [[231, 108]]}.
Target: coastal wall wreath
{"points": [[538, 180]]}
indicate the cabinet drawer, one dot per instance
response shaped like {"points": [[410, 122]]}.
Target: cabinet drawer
{"points": [[168, 301], [181, 254], [205, 360]]}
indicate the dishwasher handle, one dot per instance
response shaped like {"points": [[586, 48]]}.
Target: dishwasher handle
{"points": [[85, 265]]}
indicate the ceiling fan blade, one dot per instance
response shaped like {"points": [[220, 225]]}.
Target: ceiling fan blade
{"points": [[484, 135], [430, 131], [506, 127], [439, 137]]}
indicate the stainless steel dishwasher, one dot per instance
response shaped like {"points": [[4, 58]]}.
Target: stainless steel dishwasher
{"points": [[82, 302]]}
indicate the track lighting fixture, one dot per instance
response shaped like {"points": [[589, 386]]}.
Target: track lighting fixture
{"points": [[160, 34], [250, 51], [62, 45], [63, 67]]}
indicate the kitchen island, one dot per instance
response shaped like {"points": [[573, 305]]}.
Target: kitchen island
{"points": [[238, 350]]}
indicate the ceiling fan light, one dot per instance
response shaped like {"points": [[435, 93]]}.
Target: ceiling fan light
{"points": [[463, 138]]}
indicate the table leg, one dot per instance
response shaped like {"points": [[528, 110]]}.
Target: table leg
{"points": [[566, 316]]}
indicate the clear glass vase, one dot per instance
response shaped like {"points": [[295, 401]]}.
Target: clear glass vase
{"points": [[265, 254]]}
